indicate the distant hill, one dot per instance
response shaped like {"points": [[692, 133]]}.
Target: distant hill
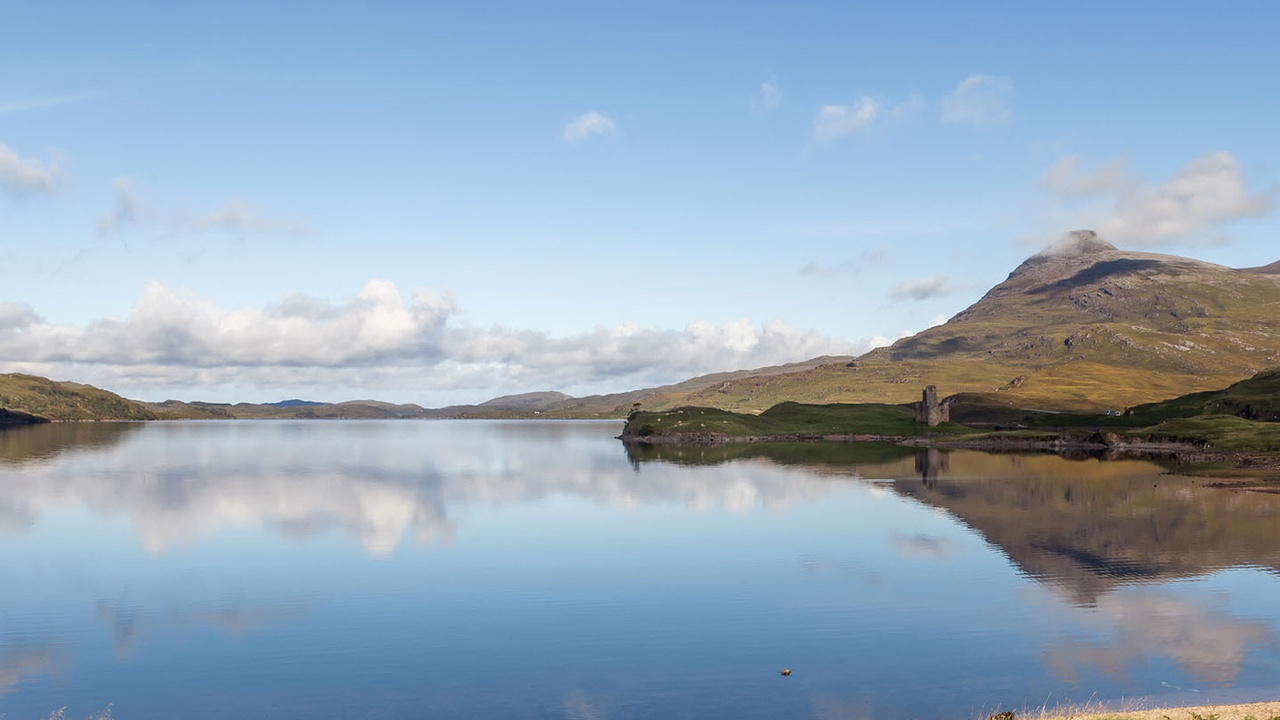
{"points": [[524, 404], [287, 409], [28, 398], [294, 403]]}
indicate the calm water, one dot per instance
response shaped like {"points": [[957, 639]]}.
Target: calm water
{"points": [[536, 570]]}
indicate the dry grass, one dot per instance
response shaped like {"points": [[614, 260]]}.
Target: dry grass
{"points": [[61, 714], [1248, 711]]}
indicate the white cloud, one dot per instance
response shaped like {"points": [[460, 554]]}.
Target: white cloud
{"points": [[379, 340], [767, 98], [21, 176], [979, 100], [1202, 197], [588, 124], [921, 288], [836, 121]]}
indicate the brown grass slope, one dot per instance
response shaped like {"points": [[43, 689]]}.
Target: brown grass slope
{"points": [[27, 398], [1083, 326]]}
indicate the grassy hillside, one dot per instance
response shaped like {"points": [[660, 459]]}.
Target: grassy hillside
{"points": [[1257, 398], [46, 400]]}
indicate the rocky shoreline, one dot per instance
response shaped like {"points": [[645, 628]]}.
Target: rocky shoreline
{"points": [[1107, 446]]}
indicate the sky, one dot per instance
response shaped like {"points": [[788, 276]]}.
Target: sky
{"points": [[440, 202]]}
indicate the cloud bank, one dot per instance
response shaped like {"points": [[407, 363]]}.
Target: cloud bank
{"points": [[1200, 199], [379, 340]]}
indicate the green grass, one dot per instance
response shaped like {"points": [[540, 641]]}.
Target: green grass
{"points": [[1257, 398], [787, 419], [1221, 432]]}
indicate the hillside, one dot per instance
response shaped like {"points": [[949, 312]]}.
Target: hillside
{"points": [[27, 398], [1257, 398], [1083, 326]]}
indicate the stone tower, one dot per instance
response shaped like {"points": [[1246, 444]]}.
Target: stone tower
{"points": [[929, 411]]}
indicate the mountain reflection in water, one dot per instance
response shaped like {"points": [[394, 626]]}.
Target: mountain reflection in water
{"points": [[544, 567], [1083, 526]]}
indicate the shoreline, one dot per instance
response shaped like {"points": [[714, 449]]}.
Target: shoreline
{"points": [[1268, 710], [1242, 466]]}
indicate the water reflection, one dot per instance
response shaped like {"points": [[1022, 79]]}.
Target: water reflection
{"points": [[673, 590], [22, 660], [1083, 526], [131, 626], [1094, 532], [1203, 639], [181, 481], [23, 444]]}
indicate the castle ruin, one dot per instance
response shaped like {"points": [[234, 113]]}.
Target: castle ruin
{"points": [[931, 412]]}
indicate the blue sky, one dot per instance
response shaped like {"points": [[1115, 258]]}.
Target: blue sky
{"points": [[194, 200]]}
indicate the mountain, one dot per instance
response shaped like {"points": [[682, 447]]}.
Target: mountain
{"points": [[28, 398], [294, 403], [1082, 326]]}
